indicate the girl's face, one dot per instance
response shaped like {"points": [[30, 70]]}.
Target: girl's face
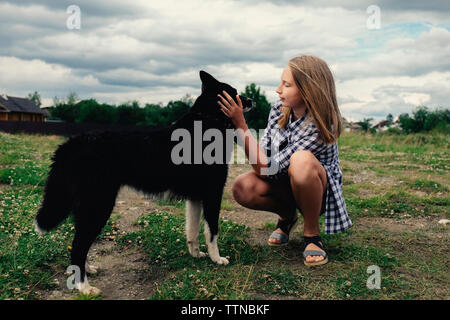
{"points": [[288, 91]]}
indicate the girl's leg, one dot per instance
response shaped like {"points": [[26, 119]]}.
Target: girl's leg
{"points": [[308, 180], [253, 192]]}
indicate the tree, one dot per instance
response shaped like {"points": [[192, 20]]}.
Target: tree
{"points": [[63, 111], [153, 115], [93, 112], [390, 118], [36, 98], [425, 120], [72, 98], [130, 113], [365, 124], [257, 117], [176, 110]]}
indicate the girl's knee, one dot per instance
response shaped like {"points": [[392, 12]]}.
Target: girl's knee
{"points": [[242, 188], [247, 187], [303, 158], [303, 167]]}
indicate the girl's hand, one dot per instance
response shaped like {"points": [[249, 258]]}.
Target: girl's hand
{"points": [[233, 110]]}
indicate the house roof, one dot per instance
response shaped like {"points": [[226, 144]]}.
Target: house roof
{"points": [[353, 125], [382, 124], [16, 104]]}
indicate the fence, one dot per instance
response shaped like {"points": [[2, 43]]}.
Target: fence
{"points": [[66, 128]]}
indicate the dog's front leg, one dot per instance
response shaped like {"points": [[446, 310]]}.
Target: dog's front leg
{"points": [[213, 249], [193, 212], [211, 209]]}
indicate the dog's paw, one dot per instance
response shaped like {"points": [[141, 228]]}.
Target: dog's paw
{"points": [[85, 288], [221, 261], [91, 269], [198, 254], [92, 291], [195, 251]]}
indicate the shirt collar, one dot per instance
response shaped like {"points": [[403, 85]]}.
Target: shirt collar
{"points": [[297, 122]]}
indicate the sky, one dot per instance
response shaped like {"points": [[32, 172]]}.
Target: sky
{"points": [[386, 56]]}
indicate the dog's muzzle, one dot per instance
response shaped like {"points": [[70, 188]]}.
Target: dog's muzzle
{"points": [[247, 103]]}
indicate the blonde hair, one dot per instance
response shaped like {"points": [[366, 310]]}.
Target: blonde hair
{"points": [[315, 82]]}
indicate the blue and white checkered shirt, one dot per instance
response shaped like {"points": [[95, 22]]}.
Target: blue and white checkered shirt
{"points": [[302, 134]]}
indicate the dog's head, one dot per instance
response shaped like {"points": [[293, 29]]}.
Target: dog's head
{"points": [[206, 105]]}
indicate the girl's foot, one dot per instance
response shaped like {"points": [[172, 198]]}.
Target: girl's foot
{"points": [[284, 228], [314, 253]]}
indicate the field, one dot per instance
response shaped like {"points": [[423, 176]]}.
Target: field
{"points": [[396, 189]]}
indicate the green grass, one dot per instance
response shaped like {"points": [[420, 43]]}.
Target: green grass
{"points": [[27, 259], [163, 238], [397, 178]]}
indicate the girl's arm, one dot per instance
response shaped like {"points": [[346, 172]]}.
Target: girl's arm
{"points": [[253, 151]]}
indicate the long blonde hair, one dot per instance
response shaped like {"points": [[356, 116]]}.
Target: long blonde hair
{"points": [[315, 82]]}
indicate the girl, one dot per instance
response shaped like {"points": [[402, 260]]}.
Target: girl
{"points": [[301, 142]]}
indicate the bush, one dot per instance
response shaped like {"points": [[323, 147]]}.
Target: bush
{"points": [[424, 120], [394, 130]]}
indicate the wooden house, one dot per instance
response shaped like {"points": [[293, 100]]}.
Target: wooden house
{"points": [[20, 109], [382, 125]]}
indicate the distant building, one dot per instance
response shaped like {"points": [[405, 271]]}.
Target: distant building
{"points": [[20, 109], [350, 126], [382, 125]]}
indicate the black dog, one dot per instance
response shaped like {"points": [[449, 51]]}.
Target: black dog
{"points": [[88, 171]]}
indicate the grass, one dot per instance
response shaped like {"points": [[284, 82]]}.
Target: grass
{"points": [[396, 188]]}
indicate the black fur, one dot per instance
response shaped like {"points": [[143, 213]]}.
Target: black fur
{"points": [[88, 171]]}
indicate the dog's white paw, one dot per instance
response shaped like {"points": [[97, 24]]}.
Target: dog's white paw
{"points": [[197, 254], [91, 269], [88, 290], [195, 251], [85, 288], [221, 261]]}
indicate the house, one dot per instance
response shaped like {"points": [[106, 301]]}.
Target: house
{"points": [[382, 125], [20, 109], [353, 127]]}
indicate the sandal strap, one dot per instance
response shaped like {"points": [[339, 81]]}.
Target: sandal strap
{"points": [[286, 225], [314, 253], [279, 236], [315, 240]]}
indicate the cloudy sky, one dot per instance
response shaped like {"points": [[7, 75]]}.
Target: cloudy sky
{"points": [[152, 51]]}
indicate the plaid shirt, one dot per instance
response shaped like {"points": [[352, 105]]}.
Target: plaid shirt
{"points": [[302, 134]]}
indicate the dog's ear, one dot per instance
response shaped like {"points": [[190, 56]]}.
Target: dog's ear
{"points": [[207, 80]]}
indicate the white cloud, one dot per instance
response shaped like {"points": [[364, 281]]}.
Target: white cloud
{"points": [[415, 98], [152, 50], [20, 77]]}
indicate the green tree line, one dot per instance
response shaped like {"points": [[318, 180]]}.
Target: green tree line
{"points": [[131, 113], [422, 120], [91, 111]]}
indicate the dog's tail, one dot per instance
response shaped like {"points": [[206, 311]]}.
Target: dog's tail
{"points": [[57, 203]]}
